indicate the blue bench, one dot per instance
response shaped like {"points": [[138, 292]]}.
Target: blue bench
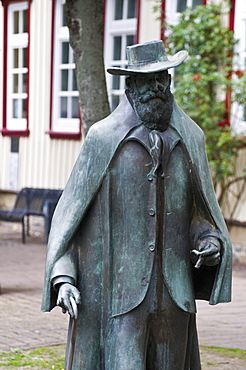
{"points": [[32, 202]]}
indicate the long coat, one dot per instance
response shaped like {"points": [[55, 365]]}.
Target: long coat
{"points": [[84, 246]]}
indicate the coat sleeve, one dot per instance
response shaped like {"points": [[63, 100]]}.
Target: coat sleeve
{"points": [[212, 283], [204, 278], [75, 200]]}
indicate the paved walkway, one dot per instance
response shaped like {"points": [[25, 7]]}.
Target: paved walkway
{"points": [[24, 326]]}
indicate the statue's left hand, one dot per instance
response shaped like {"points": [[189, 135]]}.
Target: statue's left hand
{"points": [[65, 292], [207, 252]]}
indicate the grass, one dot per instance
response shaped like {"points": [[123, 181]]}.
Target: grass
{"points": [[222, 358], [53, 358], [230, 352], [41, 358]]}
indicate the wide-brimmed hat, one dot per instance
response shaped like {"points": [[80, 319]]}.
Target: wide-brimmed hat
{"points": [[149, 57]]}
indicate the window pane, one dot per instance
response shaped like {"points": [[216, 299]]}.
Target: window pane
{"points": [[75, 107], [115, 101], [16, 22], [181, 5], [19, 83], [24, 108], [64, 80], [15, 83], [64, 18], [196, 2], [65, 53], [16, 108], [24, 84], [75, 88], [16, 58], [117, 48], [116, 82], [118, 13], [63, 107], [131, 11], [19, 108], [129, 40], [25, 20], [24, 57]]}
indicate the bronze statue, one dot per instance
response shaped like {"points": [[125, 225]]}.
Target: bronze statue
{"points": [[138, 235]]}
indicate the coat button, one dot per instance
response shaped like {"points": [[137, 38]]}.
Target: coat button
{"points": [[151, 212], [152, 248]]}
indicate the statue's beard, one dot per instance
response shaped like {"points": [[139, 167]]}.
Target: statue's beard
{"points": [[153, 108]]}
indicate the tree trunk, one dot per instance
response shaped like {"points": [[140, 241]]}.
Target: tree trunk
{"points": [[85, 23]]}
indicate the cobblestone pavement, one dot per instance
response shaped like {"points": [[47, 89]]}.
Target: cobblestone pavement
{"points": [[224, 325], [24, 326]]}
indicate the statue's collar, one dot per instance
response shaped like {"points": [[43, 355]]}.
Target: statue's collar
{"points": [[141, 134]]}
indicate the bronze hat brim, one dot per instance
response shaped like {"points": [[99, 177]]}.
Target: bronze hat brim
{"points": [[171, 62]]}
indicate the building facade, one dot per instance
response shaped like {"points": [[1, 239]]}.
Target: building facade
{"points": [[40, 133], [40, 127]]}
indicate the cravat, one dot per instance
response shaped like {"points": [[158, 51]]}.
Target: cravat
{"points": [[158, 152]]}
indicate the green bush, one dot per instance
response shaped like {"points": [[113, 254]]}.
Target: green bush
{"points": [[205, 83]]}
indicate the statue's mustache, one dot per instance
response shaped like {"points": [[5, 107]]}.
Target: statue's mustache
{"points": [[153, 95]]}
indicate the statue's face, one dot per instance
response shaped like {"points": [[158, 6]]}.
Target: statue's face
{"points": [[151, 98]]}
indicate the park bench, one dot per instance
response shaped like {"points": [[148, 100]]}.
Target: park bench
{"points": [[32, 202]]}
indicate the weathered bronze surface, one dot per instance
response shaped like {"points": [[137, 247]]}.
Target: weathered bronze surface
{"points": [[138, 235]]}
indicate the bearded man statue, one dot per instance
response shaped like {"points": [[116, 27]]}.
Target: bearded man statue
{"points": [[138, 235]]}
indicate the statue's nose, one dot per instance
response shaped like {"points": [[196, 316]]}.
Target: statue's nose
{"points": [[155, 85]]}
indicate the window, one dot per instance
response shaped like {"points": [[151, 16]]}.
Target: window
{"points": [[120, 32], [65, 121], [173, 8], [183, 4], [16, 68]]}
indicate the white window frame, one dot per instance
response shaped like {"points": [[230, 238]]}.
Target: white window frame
{"points": [[61, 34], [113, 28], [15, 41]]}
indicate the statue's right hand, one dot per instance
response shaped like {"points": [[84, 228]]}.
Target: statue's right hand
{"points": [[65, 292]]}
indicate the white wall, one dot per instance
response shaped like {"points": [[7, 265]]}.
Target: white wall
{"points": [[150, 26]]}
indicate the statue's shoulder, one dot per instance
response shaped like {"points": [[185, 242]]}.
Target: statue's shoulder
{"points": [[116, 125], [195, 128], [101, 129], [185, 125]]}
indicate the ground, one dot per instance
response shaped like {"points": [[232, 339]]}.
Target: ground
{"points": [[21, 278]]}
